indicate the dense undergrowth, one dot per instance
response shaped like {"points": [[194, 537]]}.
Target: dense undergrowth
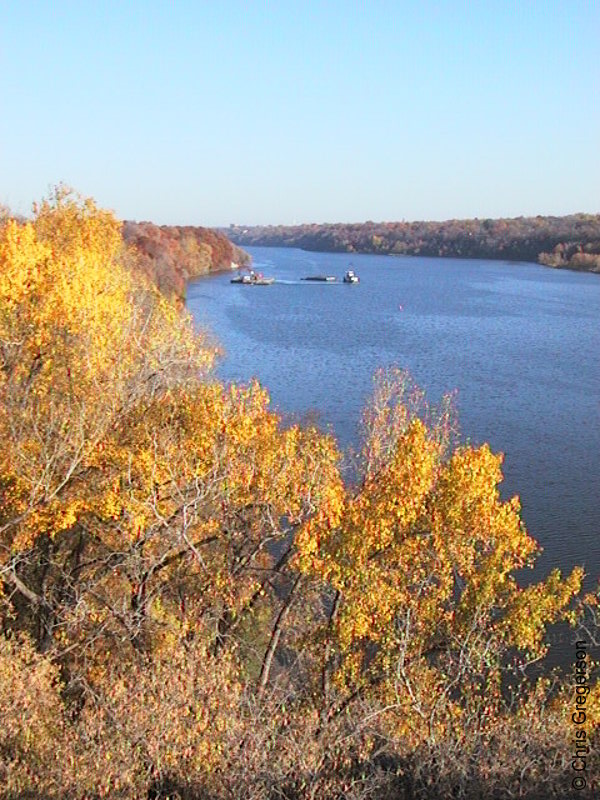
{"points": [[193, 602]]}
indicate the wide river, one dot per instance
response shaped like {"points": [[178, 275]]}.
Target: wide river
{"points": [[519, 343]]}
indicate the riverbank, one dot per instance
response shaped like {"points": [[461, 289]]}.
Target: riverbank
{"points": [[172, 255], [571, 242]]}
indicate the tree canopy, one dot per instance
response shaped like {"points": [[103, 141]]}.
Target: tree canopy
{"points": [[194, 602]]}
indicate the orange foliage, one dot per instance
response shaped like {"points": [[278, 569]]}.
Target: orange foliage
{"points": [[193, 601], [171, 255]]}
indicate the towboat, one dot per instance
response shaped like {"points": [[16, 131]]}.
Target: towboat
{"points": [[253, 279], [351, 277], [323, 278]]}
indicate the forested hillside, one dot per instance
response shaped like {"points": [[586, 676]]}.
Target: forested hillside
{"points": [[572, 241], [196, 604], [171, 255]]}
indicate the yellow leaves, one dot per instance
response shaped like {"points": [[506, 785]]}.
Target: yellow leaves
{"points": [[49, 520], [468, 515], [466, 494], [353, 529], [22, 260], [156, 501], [83, 342], [533, 608], [74, 227], [363, 544], [395, 498], [423, 551]]}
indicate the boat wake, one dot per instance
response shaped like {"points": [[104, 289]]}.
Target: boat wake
{"points": [[307, 283]]}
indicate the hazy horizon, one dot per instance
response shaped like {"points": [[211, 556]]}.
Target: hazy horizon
{"points": [[301, 223], [204, 114]]}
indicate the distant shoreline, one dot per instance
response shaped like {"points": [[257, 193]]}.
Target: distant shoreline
{"points": [[500, 259], [571, 242]]}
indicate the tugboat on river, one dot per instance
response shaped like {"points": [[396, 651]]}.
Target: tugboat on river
{"points": [[351, 277], [253, 279]]}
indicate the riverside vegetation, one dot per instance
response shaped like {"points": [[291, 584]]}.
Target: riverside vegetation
{"points": [[571, 242], [170, 255], [195, 604]]}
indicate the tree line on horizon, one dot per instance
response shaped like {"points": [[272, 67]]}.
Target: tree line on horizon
{"points": [[197, 603], [571, 241]]}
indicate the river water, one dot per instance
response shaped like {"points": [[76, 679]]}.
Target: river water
{"points": [[518, 343]]}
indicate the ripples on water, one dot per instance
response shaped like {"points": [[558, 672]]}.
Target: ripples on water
{"points": [[519, 343]]}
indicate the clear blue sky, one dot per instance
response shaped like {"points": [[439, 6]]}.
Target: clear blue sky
{"points": [[273, 112]]}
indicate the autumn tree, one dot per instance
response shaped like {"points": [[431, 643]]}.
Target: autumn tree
{"points": [[195, 603], [141, 499], [418, 562]]}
